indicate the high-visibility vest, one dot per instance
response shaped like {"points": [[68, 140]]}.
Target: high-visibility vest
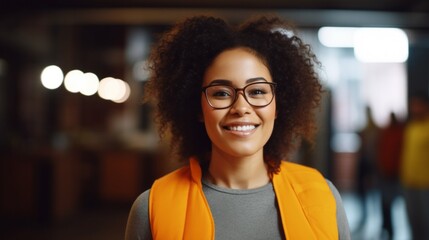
{"points": [[178, 208]]}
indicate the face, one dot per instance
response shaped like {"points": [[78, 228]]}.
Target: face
{"points": [[240, 130]]}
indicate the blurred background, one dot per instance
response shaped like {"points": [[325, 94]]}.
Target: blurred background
{"points": [[75, 153]]}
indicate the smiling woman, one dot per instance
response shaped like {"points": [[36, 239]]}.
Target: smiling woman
{"points": [[235, 100], [238, 132]]}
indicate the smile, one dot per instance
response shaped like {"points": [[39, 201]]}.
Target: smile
{"points": [[243, 128]]}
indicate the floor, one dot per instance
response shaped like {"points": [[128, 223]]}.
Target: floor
{"points": [[110, 223]]}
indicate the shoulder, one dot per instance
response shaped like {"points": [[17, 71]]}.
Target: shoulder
{"points": [[174, 185], [138, 226], [342, 221], [139, 209], [142, 199], [309, 182]]}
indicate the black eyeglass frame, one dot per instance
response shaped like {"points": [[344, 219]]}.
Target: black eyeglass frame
{"points": [[272, 85]]}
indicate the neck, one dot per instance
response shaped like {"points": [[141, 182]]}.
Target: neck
{"points": [[237, 173]]}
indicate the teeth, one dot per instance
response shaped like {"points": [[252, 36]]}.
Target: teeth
{"points": [[242, 128]]}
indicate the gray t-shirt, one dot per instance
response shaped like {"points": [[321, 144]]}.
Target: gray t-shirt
{"points": [[237, 213]]}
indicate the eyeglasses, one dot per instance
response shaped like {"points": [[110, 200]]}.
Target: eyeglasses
{"points": [[259, 94]]}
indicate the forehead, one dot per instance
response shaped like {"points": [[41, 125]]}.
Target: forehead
{"points": [[236, 65]]}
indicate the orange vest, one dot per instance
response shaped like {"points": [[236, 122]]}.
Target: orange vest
{"points": [[178, 208]]}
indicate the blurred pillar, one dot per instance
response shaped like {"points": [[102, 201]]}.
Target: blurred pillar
{"points": [[418, 64]]}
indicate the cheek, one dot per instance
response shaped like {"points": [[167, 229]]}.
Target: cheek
{"points": [[208, 115], [271, 113]]}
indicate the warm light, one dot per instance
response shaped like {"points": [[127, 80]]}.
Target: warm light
{"points": [[113, 89], [52, 77], [381, 45], [341, 37], [89, 84], [120, 90], [86, 83], [106, 88], [125, 94], [73, 81]]}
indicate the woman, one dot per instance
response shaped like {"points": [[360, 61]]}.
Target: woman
{"points": [[236, 100]]}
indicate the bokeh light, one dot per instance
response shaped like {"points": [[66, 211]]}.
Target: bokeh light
{"points": [[340, 37], [370, 45], [125, 94], [105, 87], [114, 89], [73, 81], [52, 77], [89, 84], [381, 45]]}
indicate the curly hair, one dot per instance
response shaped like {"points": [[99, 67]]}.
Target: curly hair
{"points": [[182, 55]]}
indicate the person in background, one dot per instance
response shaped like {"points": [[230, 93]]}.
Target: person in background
{"points": [[236, 100], [367, 160], [415, 166], [388, 165]]}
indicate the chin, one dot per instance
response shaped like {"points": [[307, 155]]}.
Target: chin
{"points": [[243, 151]]}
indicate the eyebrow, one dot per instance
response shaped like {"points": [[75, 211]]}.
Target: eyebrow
{"points": [[228, 82]]}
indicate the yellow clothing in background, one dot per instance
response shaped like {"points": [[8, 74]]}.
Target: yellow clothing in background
{"points": [[415, 155]]}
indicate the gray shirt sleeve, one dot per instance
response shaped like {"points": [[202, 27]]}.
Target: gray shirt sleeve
{"points": [[138, 226], [342, 222]]}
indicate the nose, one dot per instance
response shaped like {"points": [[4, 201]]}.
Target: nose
{"points": [[240, 106]]}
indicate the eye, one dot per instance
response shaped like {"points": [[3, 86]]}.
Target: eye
{"points": [[257, 91], [220, 92]]}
